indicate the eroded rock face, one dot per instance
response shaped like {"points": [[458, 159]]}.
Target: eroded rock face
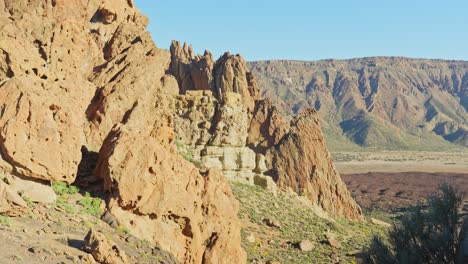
{"points": [[266, 128], [11, 203], [232, 76], [42, 127], [52, 54], [86, 75], [190, 213], [104, 250], [229, 74], [302, 163], [193, 72]]}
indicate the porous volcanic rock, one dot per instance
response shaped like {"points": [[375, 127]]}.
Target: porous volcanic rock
{"points": [[42, 127], [11, 203], [86, 75], [193, 72], [232, 76], [267, 126], [190, 213], [104, 250], [302, 163]]}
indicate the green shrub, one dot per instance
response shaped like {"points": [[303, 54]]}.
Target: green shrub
{"points": [[61, 188], [5, 220], [62, 203], [91, 205], [428, 234]]}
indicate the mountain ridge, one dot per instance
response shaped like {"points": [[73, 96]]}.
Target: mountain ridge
{"points": [[365, 102]]}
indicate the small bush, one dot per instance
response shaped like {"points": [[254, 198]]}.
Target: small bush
{"points": [[429, 234], [62, 203], [91, 205], [5, 220], [61, 188], [123, 229]]}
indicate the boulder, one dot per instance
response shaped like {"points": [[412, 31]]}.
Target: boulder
{"points": [[306, 245], [332, 241], [103, 250], [11, 203], [36, 191]]}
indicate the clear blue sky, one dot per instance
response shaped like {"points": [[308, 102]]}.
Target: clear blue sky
{"points": [[313, 29]]}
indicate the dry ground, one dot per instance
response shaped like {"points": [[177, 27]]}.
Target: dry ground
{"points": [[401, 161]]}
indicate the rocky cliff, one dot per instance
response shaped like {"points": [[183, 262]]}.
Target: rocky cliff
{"points": [[86, 75], [382, 103], [222, 123]]}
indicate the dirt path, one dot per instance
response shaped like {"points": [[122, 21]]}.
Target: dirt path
{"points": [[55, 234]]}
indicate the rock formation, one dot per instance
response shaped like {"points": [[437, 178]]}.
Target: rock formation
{"points": [[11, 203], [104, 250], [77, 75], [302, 162], [231, 129], [380, 102]]}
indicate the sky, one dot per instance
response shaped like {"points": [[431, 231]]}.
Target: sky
{"points": [[313, 29]]}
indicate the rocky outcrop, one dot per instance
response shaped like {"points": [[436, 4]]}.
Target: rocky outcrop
{"points": [[301, 162], [37, 117], [11, 203], [229, 74], [230, 129], [232, 76], [86, 75], [193, 72], [104, 250], [137, 156], [266, 128]]}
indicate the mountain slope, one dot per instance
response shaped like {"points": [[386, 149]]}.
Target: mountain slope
{"points": [[380, 102]]}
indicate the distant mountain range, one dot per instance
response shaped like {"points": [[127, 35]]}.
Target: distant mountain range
{"points": [[377, 102]]}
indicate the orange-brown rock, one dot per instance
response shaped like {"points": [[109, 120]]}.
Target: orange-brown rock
{"points": [[302, 163], [42, 127], [11, 203], [48, 51], [190, 213], [267, 127], [73, 73], [193, 72], [231, 75], [104, 250]]}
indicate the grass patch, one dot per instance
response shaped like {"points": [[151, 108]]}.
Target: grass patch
{"points": [[62, 202], [123, 229], [5, 220], [61, 188], [91, 205], [298, 222]]}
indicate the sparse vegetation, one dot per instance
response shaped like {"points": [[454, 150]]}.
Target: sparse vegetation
{"points": [[123, 229], [28, 201], [5, 220], [61, 188], [427, 234], [91, 205], [297, 222]]}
